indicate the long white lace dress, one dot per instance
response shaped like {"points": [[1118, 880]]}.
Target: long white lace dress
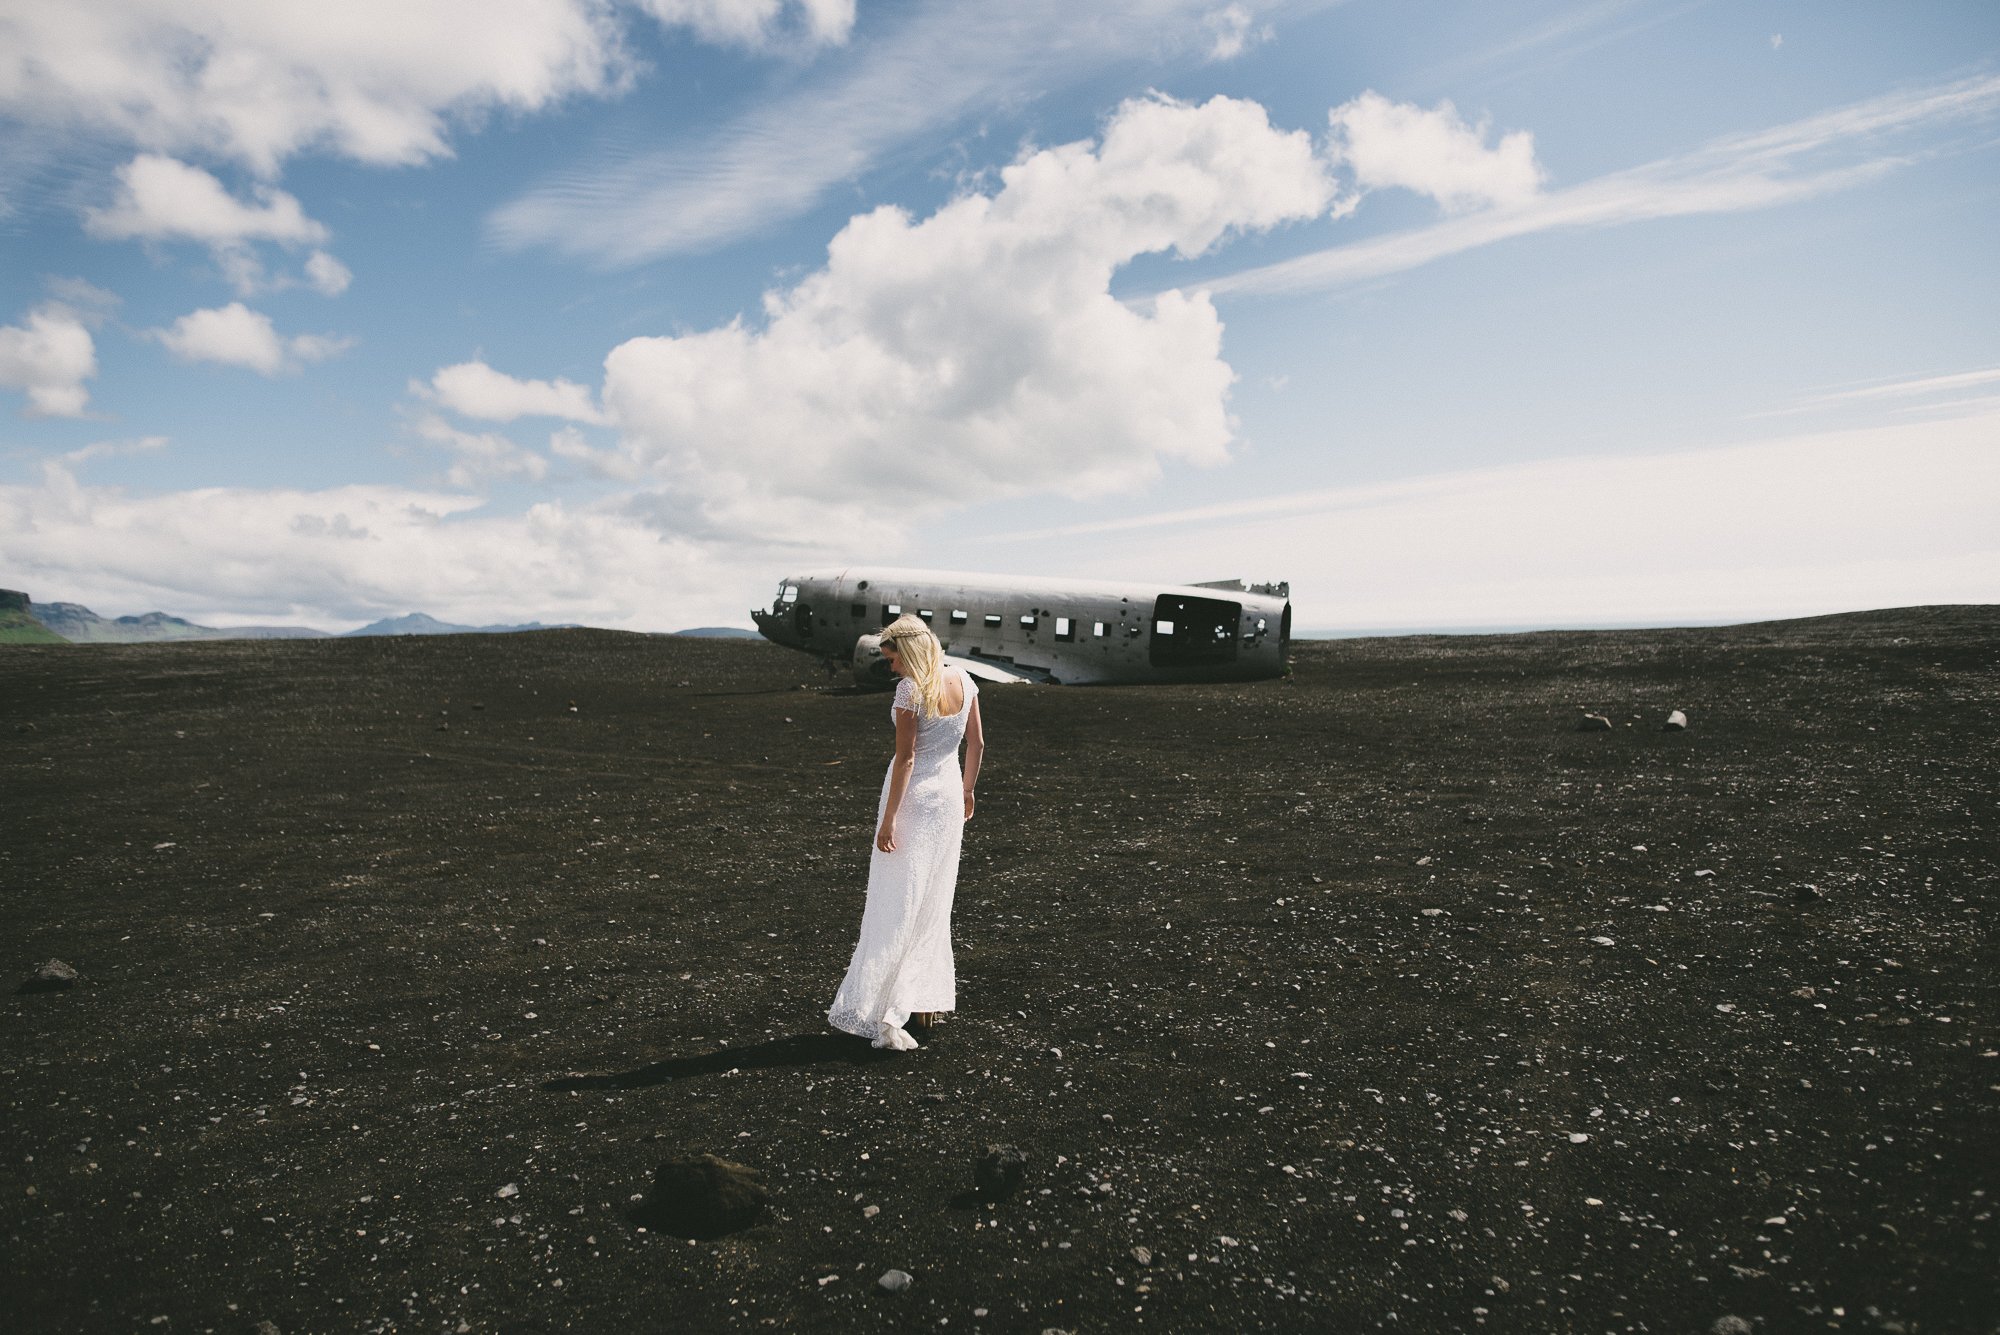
{"points": [[903, 961]]}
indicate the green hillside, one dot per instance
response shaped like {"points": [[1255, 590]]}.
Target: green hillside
{"points": [[20, 628]]}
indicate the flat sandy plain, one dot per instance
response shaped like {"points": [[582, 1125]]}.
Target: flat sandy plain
{"points": [[1377, 997]]}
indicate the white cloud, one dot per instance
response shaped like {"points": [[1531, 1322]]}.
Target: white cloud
{"points": [[977, 353], [1234, 31], [328, 276], [481, 457], [341, 557], [235, 335], [113, 449], [1432, 152], [163, 199], [1825, 522], [474, 389], [160, 199], [374, 80], [48, 357], [1794, 161], [90, 302], [758, 23], [1946, 388], [941, 62]]}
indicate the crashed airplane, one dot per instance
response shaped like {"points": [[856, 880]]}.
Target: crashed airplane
{"points": [[1067, 631]]}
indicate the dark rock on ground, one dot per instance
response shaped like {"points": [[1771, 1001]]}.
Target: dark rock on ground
{"points": [[55, 976], [999, 1172], [702, 1197]]}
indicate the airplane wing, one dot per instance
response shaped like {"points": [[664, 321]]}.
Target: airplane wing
{"points": [[987, 670]]}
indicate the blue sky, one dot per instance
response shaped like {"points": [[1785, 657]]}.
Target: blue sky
{"points": [[1458, 314]]}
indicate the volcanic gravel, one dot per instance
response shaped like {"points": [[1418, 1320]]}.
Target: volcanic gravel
{"points": [[1377, 997]]}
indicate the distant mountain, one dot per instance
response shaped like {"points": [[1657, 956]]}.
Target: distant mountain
{"points": [[80, 625], [18, 624], [26, 622], [417, 623]]}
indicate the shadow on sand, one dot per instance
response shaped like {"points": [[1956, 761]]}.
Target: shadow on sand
{"points": [[796, 1050]]}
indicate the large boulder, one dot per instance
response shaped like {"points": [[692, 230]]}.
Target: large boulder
{"points": [[702, 1197]]}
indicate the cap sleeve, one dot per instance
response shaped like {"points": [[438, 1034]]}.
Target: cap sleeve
{"points": [[906, 696]]}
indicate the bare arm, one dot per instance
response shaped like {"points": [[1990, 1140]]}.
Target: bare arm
{"points": [[899, 778], [975, 751]]}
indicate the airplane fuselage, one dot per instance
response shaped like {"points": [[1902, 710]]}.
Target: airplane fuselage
{"points": [[1072, 631]]}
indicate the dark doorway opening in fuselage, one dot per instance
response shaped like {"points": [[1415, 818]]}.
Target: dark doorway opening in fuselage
{"points": [[1190, 632]]}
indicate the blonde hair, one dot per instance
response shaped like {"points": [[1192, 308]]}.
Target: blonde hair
{"points": [[923, 662]]}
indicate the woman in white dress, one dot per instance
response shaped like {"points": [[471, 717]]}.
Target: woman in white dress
{"points": [[902, 967]]}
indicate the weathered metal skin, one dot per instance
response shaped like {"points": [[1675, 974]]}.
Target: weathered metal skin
{"points": [[1067, 631]]}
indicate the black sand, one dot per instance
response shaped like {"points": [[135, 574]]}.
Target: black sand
{"points": [[1370, 1011]]}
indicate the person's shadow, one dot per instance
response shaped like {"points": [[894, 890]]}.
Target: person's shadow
{"points": [[796, 1050]]}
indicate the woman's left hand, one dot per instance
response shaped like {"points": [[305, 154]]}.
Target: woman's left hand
{"points": [[885, 836]]}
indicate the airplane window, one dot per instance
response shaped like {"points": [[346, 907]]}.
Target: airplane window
{"points": [[992, 618], [1027, 622], [1131, 632], [791, 593], [1163, 628], [890, 611], [857, 609], [1065, 629], [1097, 631], [925, 613], [957, 616]]}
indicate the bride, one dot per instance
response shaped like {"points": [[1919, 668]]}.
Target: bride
{"points": [[902, 967]]}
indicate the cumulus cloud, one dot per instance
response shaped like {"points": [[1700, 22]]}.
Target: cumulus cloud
{"points": [[979, 352], [481, 456], [259, 82], [379, 82], [1234, 32], [48, 356], [162, 198], [758, 23], [1433, 152], [235, 335], [474, 389], [328, 276]]}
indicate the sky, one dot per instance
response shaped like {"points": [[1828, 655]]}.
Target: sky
{"points": [[618, 312]]}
